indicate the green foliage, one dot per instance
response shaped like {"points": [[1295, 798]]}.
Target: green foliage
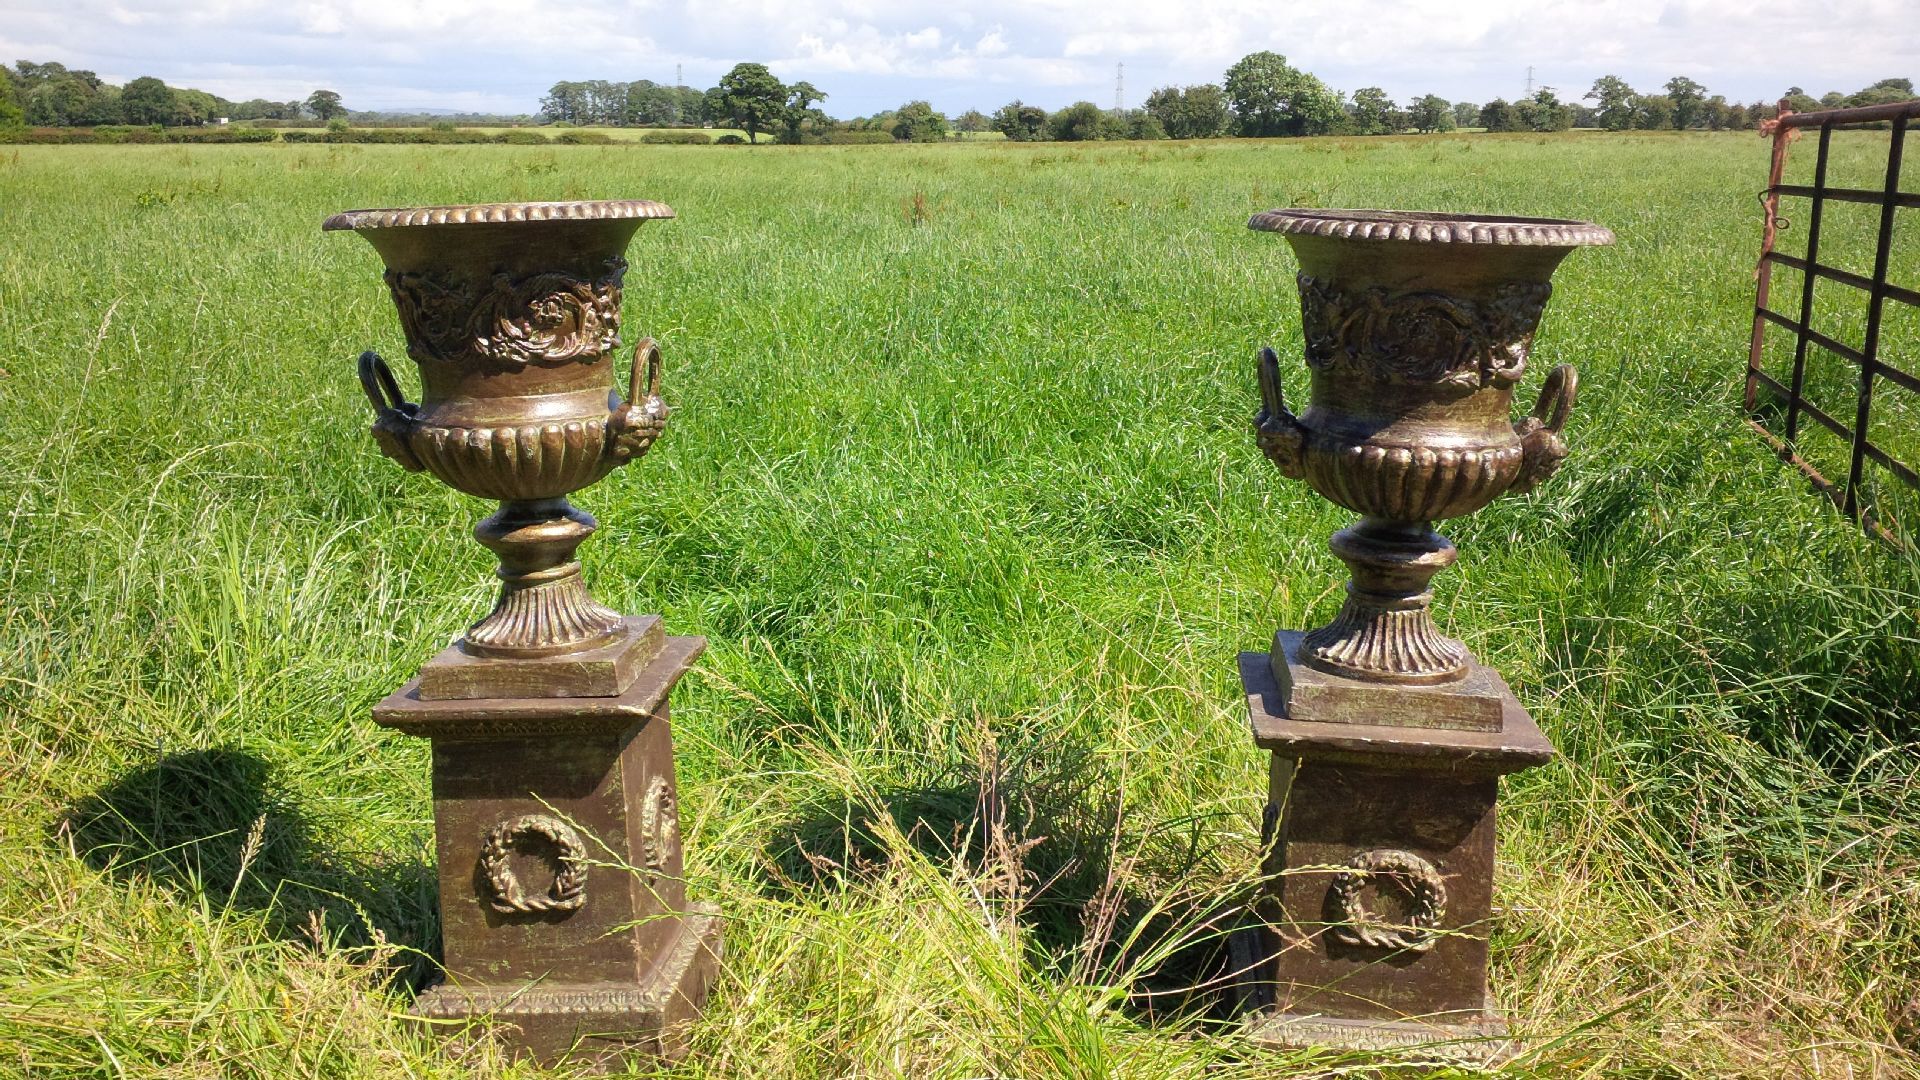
{"points": [[325, 105], [11, 114], [1544, 111], [1497, 115], [754, 99], [1372, 112], [1614, 102], [1083, 121], [802, 122], [1269, 96], [1143, 125], [1689, 102], [1020, 122], [860, 138], [1653, 112], [1190, 112], [972, 122], [916, 121], [730, 139], [677, 138], [1431, 113]]}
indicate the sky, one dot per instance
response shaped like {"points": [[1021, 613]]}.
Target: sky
{"points": [[502, 55]]}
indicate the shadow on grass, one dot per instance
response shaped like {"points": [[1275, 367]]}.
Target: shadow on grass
{"points": [[1044, 833], [209, 825]]}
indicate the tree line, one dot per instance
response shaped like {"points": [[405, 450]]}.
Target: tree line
{"points": [[54, 95], [1260, 96]]}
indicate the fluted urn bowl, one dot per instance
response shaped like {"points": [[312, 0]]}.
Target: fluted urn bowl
{"points": [[511, 311], [1417, 329]]}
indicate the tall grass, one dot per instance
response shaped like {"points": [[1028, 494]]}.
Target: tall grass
{"points": [[961, 488]]}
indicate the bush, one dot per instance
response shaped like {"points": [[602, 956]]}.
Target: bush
{"points": [[583, 138], [521, 137], [730, 139], [207, 135], [677, 138], [860, 138]]}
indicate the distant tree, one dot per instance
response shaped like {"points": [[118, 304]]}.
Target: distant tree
{"points": [[973, 121], [916, 121], [147, 100], [646, 103], [1544, 111], [1613, 102], [1652, 112], [1718, 115], [56, 102], [755, 99], [1083, 121], [1465, 114], [801, 114], [1143, 125], [1689, 99], [325, 105], [1833, 99], [1020, 122], [1497, 115], [566, 102], [1269, 97], [1884, 92], [1799, 100], [1431, 113], [1371, 109], [713, 106], [11, 113], [1193, 112]]}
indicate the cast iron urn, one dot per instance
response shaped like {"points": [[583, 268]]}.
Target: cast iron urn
{"points": [[564, 914], [1388, 736]]}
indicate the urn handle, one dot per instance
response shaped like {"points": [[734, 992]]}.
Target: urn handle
{"points": [[393, 414], [1276, 430], [1541, 445], [639, 420]]}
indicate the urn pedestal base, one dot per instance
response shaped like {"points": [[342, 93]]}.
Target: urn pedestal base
{"points": [[563, 906], [598, 1024], [1371, 933], [458, 675]]}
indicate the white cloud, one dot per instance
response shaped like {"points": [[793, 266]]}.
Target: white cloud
{"points": [[503, 54]]}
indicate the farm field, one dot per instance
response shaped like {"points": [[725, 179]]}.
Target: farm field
{"points": [[960, 483]]}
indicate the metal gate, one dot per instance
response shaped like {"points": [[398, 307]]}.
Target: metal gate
{"points": [[1789, 402]]}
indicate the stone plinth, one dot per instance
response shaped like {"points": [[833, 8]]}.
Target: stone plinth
{"points": [[563, 905], [1372, 932]]}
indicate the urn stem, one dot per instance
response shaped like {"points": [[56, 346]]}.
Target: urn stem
{"points": [[544, 607], [1385, 630]]}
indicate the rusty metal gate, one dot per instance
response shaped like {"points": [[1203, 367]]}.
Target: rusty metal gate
{"points": [[1782, 413]]}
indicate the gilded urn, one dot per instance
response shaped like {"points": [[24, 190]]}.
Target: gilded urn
{"points": [[511, 312], [1417, 327]]}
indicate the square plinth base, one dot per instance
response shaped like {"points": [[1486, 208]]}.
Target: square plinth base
{"points": [[597, 1024], [457, 675], [1372, 929], [1480, 1044], [1474, 703]]}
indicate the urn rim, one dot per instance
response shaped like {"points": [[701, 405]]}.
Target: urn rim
{"points": [[512, 213], [1430, 227]]}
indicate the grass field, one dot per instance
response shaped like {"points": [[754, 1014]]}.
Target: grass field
{"points": [[961, 481]]}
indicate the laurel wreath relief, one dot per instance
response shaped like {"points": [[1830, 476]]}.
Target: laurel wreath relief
{"points": [[564, 851]]}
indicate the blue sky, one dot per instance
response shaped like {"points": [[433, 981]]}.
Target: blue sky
{"points": [[501, 55]]}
